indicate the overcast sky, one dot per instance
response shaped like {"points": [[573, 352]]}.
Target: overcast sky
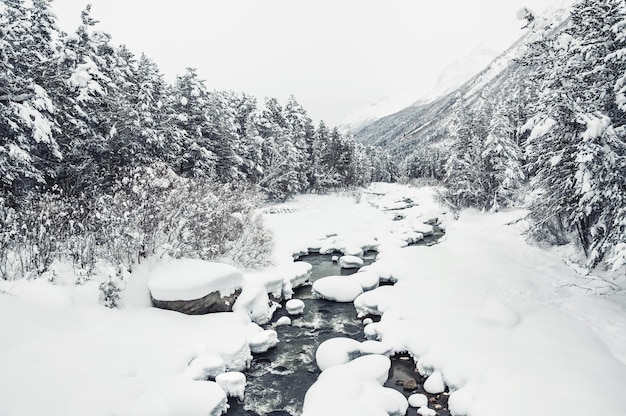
{"points": [[334, 56]]}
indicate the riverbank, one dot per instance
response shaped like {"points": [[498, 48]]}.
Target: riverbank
{"points": [[511, 328]]}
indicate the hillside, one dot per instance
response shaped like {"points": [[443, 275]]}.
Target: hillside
{"points": [[429, 120]]}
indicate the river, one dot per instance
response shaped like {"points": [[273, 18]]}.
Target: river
{"points": [[279, 379]]}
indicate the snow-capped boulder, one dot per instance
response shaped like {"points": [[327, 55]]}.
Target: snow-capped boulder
{"points": [[295, 307], [434, 383], [233, 383], [283, 321], [262, 341], [418, 400], [337, 288], [205, 366], [367, 280], [233, 348], [352, 251], [194, 286], [350, 262], [190, 397], [335, 351]]}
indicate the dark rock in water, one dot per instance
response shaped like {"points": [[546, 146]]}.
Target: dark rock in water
{"points": [[410, 384], [211, 303]]}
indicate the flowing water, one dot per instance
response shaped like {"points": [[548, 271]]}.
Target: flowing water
{"points": [[279, 379]]}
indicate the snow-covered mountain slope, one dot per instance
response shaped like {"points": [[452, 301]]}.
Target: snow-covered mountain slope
{"points": [[427, 120]]}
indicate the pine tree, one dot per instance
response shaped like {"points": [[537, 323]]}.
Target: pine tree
{"points": [[27, 142], [503, 157], [573, 147], [189, 101]]}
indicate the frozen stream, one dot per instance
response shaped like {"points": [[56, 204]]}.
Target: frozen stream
{"points": [[279, 379]]}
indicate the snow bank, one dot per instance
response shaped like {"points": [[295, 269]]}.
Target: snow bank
{"points": [[89, 360], [205, 366], [189, 279], [341, 223], [482, 312]]}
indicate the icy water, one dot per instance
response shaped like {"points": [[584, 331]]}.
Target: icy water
{"points": [[279, 379]]}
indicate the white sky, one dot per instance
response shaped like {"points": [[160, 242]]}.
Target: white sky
{"points": [[335, 56]]}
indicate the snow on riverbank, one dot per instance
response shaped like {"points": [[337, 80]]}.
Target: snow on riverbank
{"points": [[505, 324], [510, 328]]}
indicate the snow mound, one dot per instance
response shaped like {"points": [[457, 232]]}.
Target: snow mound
{"points": [[375, 367], [262, 341], [350, 262], [283, 321], [295, 307], [434, 383], [233, 348], [354, 251], [233, 383], [367, 280], [205, 366], [418, 400], [189, 279], [337, 288], [336, 351], [355, 388], [201, 398]]}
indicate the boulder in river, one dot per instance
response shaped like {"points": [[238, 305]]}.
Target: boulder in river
{"points": [[194, 286], [350, 262]]}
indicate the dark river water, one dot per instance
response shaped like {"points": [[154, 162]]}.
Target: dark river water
{"points": [[279, 379]]}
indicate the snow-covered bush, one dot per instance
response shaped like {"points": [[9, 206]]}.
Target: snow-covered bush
{"points": [[152, 211], [110, 293]]}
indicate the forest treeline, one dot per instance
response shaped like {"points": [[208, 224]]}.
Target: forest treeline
{"points": [[98, 152], [549, 135]]}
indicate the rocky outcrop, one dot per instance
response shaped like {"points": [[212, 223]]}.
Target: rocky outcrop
{"points": [[213, 302]]}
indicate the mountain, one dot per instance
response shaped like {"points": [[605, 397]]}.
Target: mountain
{"points": [[429, 119]]}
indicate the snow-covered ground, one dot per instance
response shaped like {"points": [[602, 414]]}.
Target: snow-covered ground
{"points": [[510, 328]]}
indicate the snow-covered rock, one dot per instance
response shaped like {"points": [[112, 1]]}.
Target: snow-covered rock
{"points": [[337, 351], [295, 307], [262, 341], [205, 366], [295, 274], [418, 400], [354, 388], [194, 286], [337, 288], [254, 301], [367, 280], [426, 411], [234, 349], [434, 383], [375, 367], [233, 383], [283, 321], [191, 398], [350, 262], [352, 250]]}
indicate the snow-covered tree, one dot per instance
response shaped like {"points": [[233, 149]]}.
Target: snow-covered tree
{"points": [[28, 45], [573, 148]]}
